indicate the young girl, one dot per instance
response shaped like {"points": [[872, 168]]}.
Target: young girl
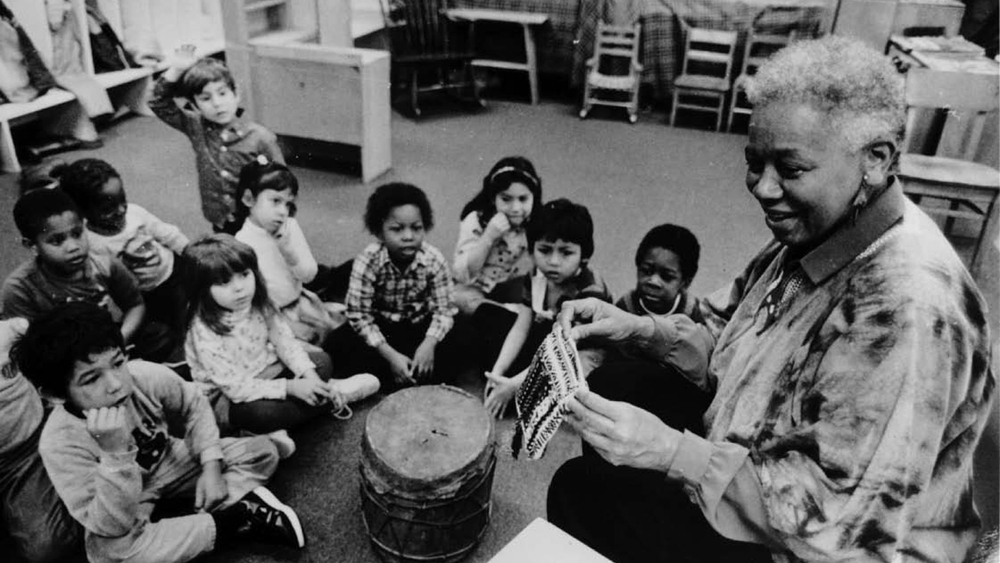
{"points": [[242, 352], [147, 246], [492, 246], [267, 203], [399, 298]]}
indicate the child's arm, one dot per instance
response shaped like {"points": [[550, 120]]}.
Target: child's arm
{"points": [[162, 101], [295, 250], [475, 243], [17, 299], [360, 299], [124, 290], [514, 341], [500, 391], [166, 234], [99, 484], [442, 304], [269, 146], [289, 349], [211, 358]]}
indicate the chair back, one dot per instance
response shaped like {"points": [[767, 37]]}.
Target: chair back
{"points": [[709, 52], [760, 47], [418, 27], [976, 95], [616, 48]]}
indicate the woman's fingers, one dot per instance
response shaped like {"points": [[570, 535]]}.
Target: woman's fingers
{"points": [[589, 419]]}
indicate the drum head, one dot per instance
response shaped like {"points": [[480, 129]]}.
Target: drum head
{"points": [[422, 438]]}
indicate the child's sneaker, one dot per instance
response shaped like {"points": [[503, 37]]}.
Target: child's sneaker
{"points": [[283, 442], [270, 520], [354, 389]]}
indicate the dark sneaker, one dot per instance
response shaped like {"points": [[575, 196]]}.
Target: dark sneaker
{"points": [[271, 520]]}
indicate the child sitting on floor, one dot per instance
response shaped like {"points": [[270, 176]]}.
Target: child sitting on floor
{"points": [[399, 302], [492, 244], [243, 354], [222, 140], [147, 246], [267, 200], [124, 436], [666, 263], [64, 270], [561, 239]]}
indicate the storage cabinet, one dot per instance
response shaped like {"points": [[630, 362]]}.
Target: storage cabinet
{"points": [[873, 21], [300, 76]]}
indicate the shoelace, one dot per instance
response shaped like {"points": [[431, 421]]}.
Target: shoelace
{"points": [[343, 413]]}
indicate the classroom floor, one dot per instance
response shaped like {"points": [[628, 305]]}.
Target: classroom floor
{"points": [[630, 176]]}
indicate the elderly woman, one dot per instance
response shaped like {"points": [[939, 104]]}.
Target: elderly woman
{"points": [[848, 379]]}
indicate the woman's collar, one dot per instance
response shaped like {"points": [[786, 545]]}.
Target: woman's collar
{"points": [[852, 238]]}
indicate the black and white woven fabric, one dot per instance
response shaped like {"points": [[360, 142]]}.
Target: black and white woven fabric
{"points": [[553, 377]]}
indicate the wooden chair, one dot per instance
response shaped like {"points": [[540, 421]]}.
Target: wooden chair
{"points": [[429, 51], [706, 72], [968, 188], [759, 47], [613, 74]]}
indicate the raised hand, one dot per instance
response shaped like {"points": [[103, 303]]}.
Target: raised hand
{"points": [[497, 226]]}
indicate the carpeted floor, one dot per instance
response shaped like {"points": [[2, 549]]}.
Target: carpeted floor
{"points": [[630, 176]]}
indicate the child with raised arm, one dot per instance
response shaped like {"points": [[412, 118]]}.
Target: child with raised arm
{"points": [[492, 245], [125, 435], [64, 270], [561, 239], [267, 199], [222, 140], [147, 246], [399, 302]]}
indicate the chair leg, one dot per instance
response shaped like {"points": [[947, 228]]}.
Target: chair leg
{"points": [[718, 112], [414, 90], [982, 232], [673, 108]]}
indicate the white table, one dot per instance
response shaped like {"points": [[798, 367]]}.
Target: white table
{"points": [[528, 22]]}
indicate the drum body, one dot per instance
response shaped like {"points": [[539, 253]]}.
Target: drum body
{"points": [[427, 462]]}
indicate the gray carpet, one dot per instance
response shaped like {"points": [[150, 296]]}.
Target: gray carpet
{"points": [[630, 176]]}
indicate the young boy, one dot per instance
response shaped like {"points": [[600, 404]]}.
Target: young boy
{"points": [[34, 519], [666, 263], [222, 140], [561, 240], [399, 301], [125, 435], [64, 270]]}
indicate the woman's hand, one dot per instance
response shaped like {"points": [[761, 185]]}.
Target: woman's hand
{"points": [[310, 390], [211, 490], [499, 392], [497, 227], [423, 360], [109, 426], [622, 433], [600, 320]]}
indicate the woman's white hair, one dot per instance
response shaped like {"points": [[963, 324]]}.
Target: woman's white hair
{"points": [[857, 87]]}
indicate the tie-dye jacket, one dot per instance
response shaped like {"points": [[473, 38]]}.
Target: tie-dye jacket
{"points": [[844, 424]]}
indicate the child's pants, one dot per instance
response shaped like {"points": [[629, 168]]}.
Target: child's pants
{"points": [[35, 518], [247, 464], [268, 415]]}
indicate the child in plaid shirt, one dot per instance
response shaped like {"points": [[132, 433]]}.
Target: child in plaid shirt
{"points": [[399, 302]]}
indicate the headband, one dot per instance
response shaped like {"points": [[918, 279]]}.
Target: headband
{"points": [[505, 169]]}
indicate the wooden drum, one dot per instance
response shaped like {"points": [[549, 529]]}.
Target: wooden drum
{"points": [[427, 462]]}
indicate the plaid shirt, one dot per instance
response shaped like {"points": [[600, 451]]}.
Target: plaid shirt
{"points": [[380, 291]]}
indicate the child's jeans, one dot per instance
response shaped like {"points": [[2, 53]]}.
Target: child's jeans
{"points": [[35, 518], [354, 355], [267, 415], [247, 464]]}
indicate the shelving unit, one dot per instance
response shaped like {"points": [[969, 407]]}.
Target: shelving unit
{"points": [[299, 75]]}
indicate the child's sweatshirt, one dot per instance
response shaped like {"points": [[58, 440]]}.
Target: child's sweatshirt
{"points": [[220, 150], [104, 491], [285, 261], [508, 257], [146, 245], [236, 364]]}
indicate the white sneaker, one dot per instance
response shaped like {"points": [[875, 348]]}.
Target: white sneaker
{"points": [[355, 388], [283, 442]]}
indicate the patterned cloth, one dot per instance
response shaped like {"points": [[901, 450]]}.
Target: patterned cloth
{"points": [[554, 376], [379, 290]]}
